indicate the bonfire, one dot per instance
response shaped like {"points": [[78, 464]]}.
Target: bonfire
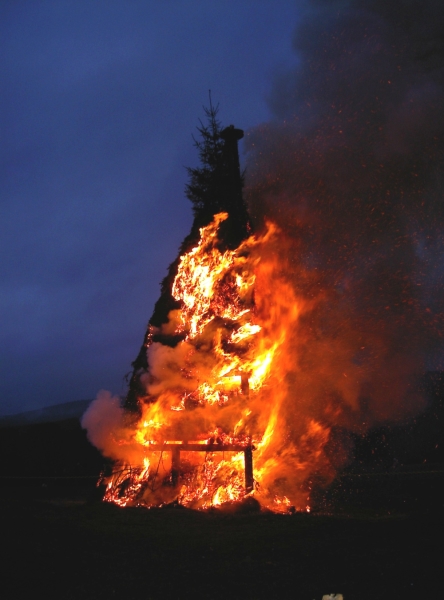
{"points": [[216, 420], [212, 429]]}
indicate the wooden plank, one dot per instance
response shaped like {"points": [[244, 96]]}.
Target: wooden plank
{"points": [[186, 447]]}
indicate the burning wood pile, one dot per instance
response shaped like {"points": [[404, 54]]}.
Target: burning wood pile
{"points": [[204, 422], [211, 401]]}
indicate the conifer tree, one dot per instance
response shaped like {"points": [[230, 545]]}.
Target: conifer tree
{"points": [[214, 186], [202, 189]]}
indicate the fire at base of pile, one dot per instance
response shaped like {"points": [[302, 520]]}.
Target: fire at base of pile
{"points": [[219, 377], [213, 481]]}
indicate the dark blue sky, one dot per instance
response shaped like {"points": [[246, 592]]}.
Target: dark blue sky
{"points": [[341, 101], [98, 104]]}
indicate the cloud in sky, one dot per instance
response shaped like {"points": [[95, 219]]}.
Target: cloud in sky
{"points": [[98, 104]]}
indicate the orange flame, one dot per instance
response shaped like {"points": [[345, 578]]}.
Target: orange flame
{"points": [[225, 382]]}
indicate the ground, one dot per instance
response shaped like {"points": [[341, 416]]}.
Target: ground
{"points": [[377, 536]]}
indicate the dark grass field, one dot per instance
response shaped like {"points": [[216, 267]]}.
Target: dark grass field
{"points": [[377, 533], [377, 536]]}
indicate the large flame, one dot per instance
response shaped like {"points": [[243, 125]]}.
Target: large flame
{"points": [[223, 383]]}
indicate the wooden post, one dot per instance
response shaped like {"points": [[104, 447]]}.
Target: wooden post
{"points": [[245, 384], [248, 460], [175, 465]]}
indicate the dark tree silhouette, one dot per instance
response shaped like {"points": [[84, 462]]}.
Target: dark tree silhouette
{"points": [[202, 189], [214, 186]]}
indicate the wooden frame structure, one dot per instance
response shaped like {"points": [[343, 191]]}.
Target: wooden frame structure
{"points": [[177, 448]]}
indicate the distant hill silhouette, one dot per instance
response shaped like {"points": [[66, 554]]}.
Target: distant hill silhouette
{"points": [[48, 442], [48, 414]]}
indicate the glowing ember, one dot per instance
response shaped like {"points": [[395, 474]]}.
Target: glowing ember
{"points": [[218, 391]]}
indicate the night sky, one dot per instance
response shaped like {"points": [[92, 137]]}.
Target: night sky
{"points": [[99, 102], [341, 101]]}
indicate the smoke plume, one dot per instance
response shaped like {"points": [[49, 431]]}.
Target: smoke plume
{"points": [[351, 170]]}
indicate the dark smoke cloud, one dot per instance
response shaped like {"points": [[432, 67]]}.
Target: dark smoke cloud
{"points": [[351, 169]]}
